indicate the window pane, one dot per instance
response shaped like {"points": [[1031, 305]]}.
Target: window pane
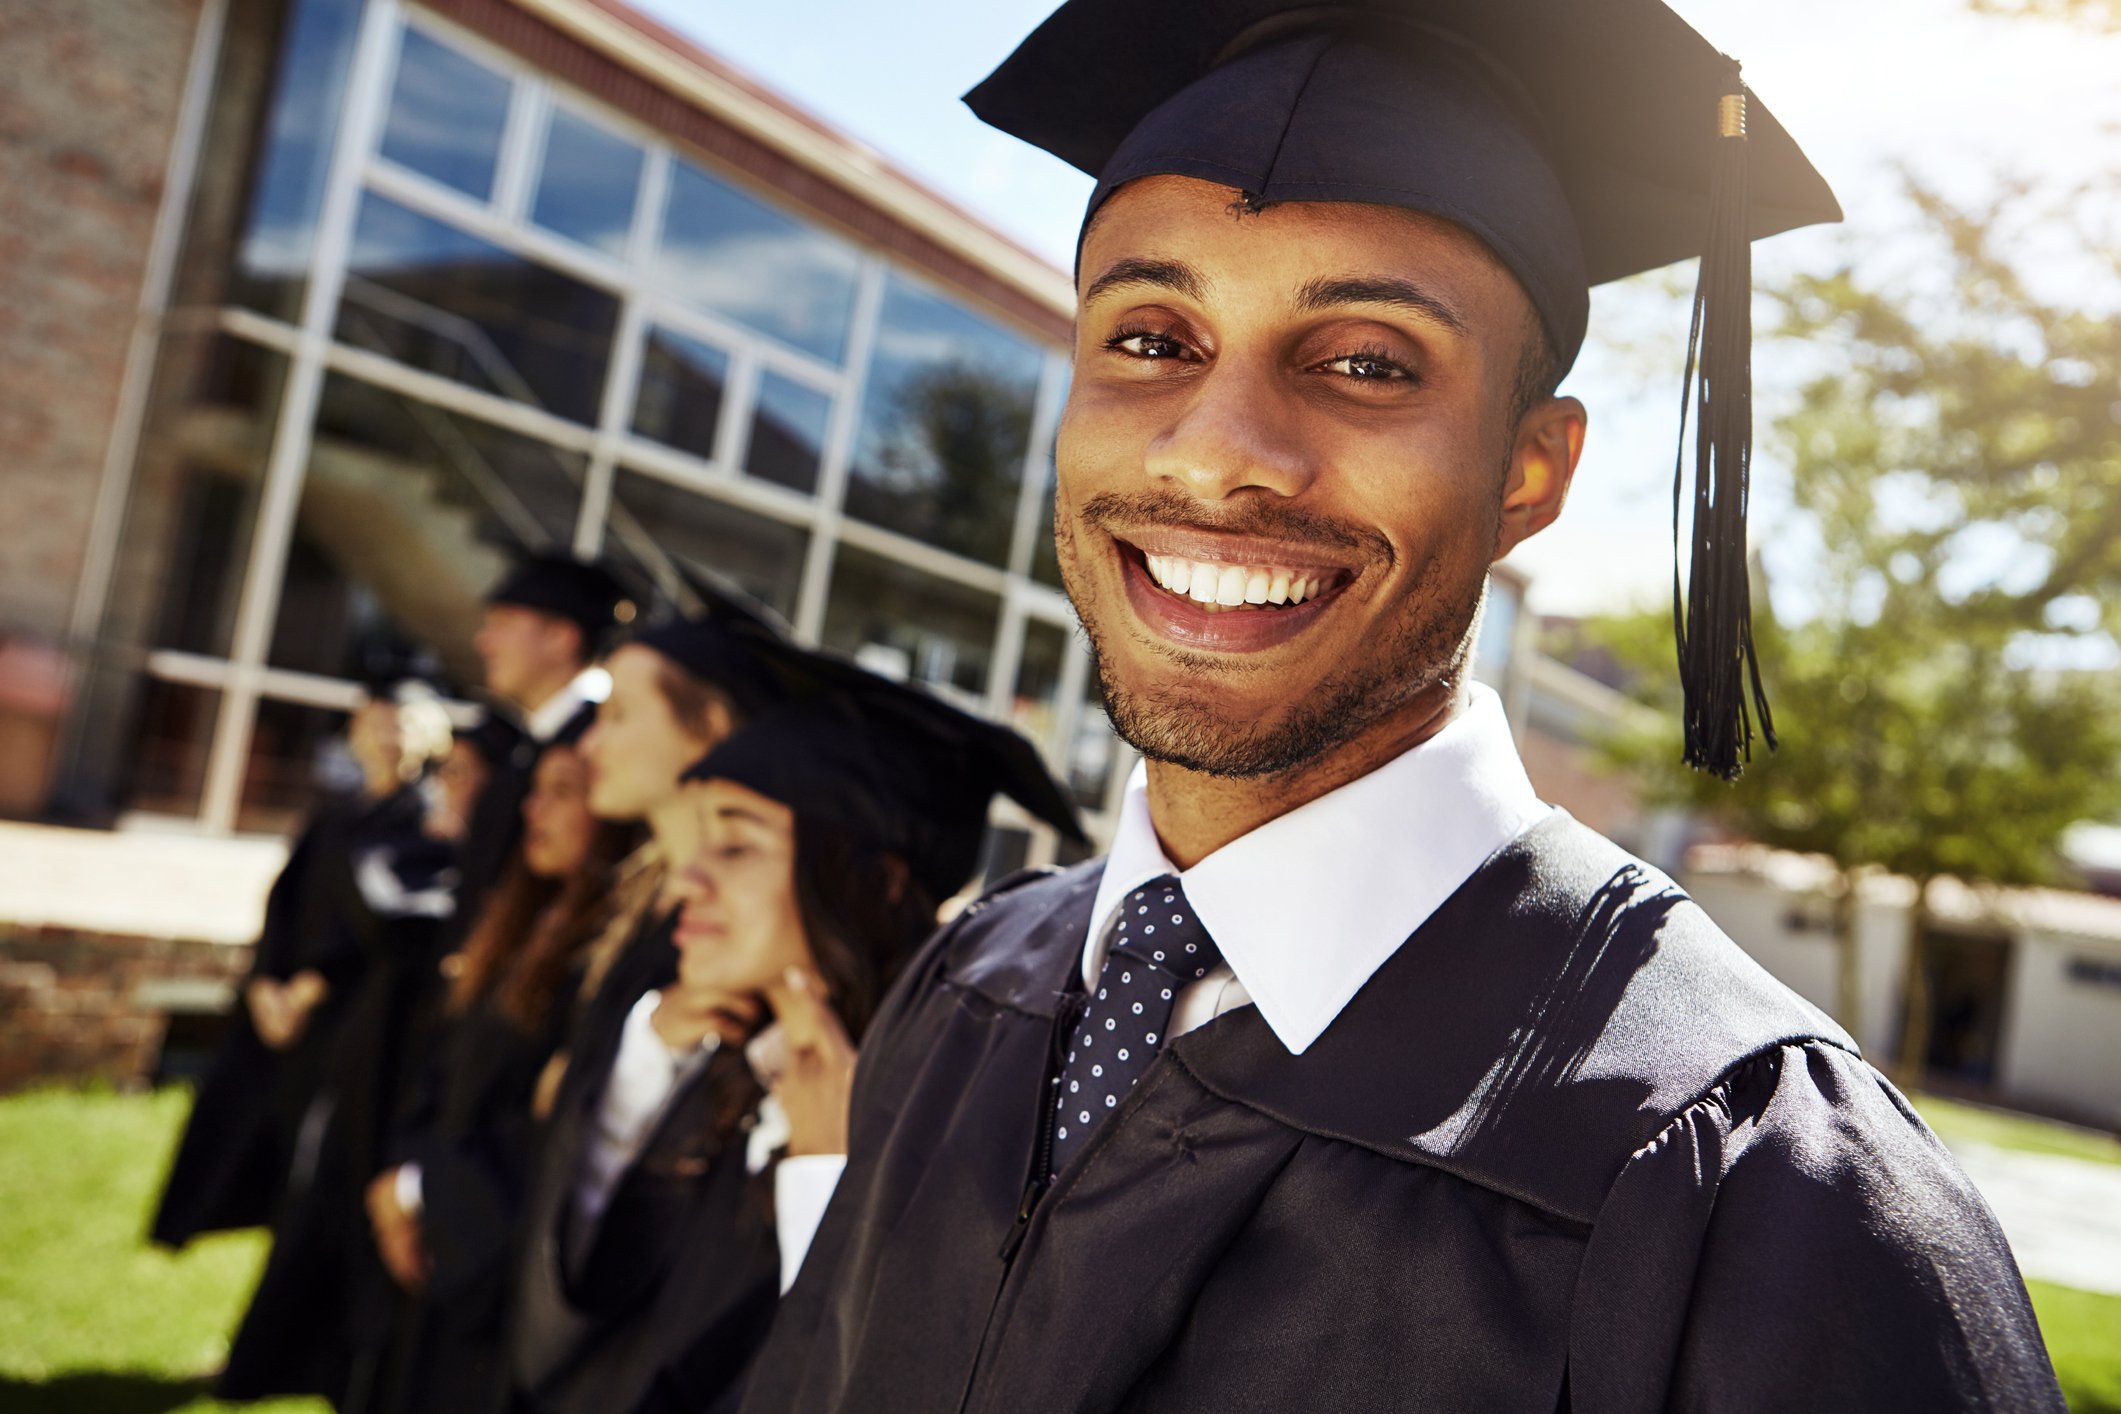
{"points": [[654, 522], [178, 574], [297, 752], [1045, 556], [294, 151], [587, 183], [173, 729], [1035, 703], [680, 399], [907, 624], [446, 115], [408, 514], [788, 432], [1094, 753], [432, 296], [736, 256], [945, 419]]}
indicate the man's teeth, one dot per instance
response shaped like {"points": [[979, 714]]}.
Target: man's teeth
{"points": [[1206, 582]]}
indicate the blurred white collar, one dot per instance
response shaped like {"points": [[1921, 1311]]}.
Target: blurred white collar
{"points": [[1306, 907], [558, 710]]}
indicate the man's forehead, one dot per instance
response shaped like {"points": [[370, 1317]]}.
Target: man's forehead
{"points": [[1199, 240]]}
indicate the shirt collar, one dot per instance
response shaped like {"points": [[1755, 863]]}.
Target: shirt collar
{"points": [[558, 710], [1306, 907]]}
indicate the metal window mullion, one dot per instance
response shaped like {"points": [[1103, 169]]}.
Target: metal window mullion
{"points": [[840, 435], [452, 396], [280, 496], [1038, 462], [732, 426], [430, 198], [522, 148], [99, 555], [1068, 705], [1006, 657], [614, 414]]}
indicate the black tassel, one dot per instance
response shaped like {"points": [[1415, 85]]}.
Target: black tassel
{"points": [[1713, 618]]}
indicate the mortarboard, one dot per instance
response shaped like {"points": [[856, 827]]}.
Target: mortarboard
{"points": [[891, 764], [582, 592], [1581, 141]]}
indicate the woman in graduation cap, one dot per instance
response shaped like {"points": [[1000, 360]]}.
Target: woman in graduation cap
{"points": [[1358, 1078], [828, 833]]}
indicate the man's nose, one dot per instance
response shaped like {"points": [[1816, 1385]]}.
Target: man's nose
{"points": [[1240, 430]]}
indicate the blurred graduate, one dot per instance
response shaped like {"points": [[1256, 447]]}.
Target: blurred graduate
{"points": [[1357, 1078], [681, 1180]]}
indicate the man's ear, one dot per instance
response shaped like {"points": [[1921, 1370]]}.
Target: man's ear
{"points": [[1542, 464]]}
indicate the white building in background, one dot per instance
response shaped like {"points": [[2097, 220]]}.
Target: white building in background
{"points": [[2025, 984]]}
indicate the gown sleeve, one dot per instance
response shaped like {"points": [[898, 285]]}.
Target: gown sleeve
{"points": [[1798, 1239]]}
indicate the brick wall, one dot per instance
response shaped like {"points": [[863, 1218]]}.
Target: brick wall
{"points": [[78, 1006], [86, 115]]}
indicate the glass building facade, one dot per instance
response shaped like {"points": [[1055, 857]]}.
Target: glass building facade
{"points": [[436, 306], [459, 309]]}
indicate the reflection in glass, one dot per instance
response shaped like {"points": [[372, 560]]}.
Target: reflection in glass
{"points": [[654, 523], [408, 513], [587, 183], [293, 748], [1045, 554], [788, 432], [1095, 750], [734, 255], [446, 115], [1034, 706], [294, 151], [680, 399], [907, 624], [432, 296], [173, 730], [945, 419]]}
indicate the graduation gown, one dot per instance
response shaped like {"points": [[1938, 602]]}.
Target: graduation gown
{"points": [[1569, 1148], [325, 1301], [231, 1165], [660, 1306], [475, 1155]]}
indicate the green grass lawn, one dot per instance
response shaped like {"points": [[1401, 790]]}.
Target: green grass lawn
{"points": [[94, 1321]]}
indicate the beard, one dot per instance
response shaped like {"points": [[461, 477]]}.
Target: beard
{"points": [[1426, 645]]}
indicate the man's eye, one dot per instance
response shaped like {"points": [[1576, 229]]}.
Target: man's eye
{"points": [[1368, 368], [1140, 343]]}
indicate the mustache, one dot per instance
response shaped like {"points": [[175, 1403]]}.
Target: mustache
{"points": [[1114, 510]]}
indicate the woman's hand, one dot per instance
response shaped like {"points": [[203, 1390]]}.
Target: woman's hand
{"points": [[687, 1016], [272, 1014], [397, 1230], [816, 1074]]}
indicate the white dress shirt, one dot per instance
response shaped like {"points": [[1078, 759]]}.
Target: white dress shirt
{"points": [[592, 684], [1309, 905]]}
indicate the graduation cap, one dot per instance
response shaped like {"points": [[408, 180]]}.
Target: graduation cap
{"points": [[1581, 140], [730, 641], [582, 592], [893, 765]]}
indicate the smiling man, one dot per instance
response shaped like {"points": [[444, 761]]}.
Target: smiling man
{"points": [[1356, 1077]]}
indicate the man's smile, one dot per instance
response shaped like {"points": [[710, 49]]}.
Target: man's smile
{"points": [[1225, 593]]}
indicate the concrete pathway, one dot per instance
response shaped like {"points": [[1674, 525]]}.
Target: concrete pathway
{"points": [[2062, 1215]]}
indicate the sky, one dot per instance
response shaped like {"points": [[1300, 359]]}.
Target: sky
{"points": [[1865, 86]]}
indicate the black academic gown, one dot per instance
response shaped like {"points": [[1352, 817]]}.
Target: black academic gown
{"points": [[659, 1307], [231, 1166], [1569, 1148], [324, 1298], [475, 1155]]}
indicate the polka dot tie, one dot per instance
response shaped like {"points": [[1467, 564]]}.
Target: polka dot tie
{"points": [[1158, 949]]}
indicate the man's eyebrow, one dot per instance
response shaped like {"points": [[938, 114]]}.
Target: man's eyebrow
{"points": [[1163, 274], [1327, 293]]}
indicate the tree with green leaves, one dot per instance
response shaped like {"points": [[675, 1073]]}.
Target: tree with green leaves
{"points": [[1942, 682]]}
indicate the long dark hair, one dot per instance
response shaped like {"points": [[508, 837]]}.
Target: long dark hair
{"points": [[532, 929], [864, 913]]}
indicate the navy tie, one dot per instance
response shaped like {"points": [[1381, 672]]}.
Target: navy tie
{"points": [[1158, 949]]}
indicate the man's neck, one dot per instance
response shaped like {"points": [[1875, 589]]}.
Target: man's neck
{"points": [[1196, 813]]}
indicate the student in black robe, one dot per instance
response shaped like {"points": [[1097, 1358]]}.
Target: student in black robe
{"points": [[545, 624], [1357, 1078], [446, 1218], [828, 830], [231, 1164], [321, 1291]]}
